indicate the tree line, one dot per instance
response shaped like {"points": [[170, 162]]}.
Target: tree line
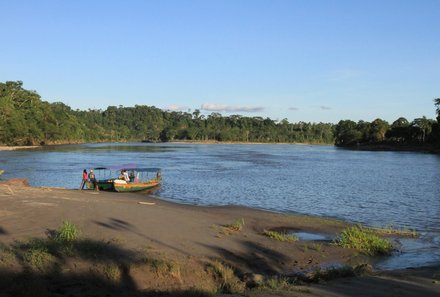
{"points": [[419, 132], [25, 119]]}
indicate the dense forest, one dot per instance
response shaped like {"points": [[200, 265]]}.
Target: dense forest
{"points": [[25, 119], [421, 132]]}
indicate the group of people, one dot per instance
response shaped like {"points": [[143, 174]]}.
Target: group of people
{"points": [[89, 177], [92, 178]]}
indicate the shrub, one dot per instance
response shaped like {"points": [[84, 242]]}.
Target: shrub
{"points": [[365, 241], [229, 283], [36, 256], [236, 226], [280, 236], [67, 233]]}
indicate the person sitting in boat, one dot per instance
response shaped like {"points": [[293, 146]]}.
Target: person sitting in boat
{"points": [[132, 176], [124, 176]]}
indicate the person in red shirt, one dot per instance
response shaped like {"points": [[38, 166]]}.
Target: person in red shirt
{"points": [[84, 179]]}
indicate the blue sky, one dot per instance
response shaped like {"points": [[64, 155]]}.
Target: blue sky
{"points": [[318, 61]]}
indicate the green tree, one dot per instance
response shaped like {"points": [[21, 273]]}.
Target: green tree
{"points": [[347, 133]]}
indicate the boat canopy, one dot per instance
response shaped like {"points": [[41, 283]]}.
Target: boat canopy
{"points": [[128, 169]]}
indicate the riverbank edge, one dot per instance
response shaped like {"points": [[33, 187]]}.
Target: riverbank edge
{"points": [[392, 148], [208, 142], [369, 147], [18, 147], [386, 277]]}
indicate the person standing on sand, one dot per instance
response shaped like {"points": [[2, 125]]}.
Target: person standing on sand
{"points": [[93, 180], [84, 179]]}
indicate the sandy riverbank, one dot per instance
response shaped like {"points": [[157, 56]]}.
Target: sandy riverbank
{"points": [[141, 246]]}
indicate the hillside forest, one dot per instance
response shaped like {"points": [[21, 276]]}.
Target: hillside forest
{"points": [[25, 119]]}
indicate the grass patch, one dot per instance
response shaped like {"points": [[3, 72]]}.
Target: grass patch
{"points": [[280, 236], [316, 246], [394, 231], [238, 225], [163, 267], [112, 272], [277, 283], [229, 282], [7, 256], [35, 255], [66, 233], [364, 240]]}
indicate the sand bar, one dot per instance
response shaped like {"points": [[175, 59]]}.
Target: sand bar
{"points": [[193, 236]]}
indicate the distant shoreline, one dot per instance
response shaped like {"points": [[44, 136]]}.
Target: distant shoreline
{"points": [[18, 147], [393, 148], [365, 147]]}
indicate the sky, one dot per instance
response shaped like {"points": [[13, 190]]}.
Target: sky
{"points": [[312, 61]]}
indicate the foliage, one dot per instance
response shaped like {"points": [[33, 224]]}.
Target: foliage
{"points": [[419, 132], [389, 230], [229, 283], [67, 233], [27, 120], [236, 226], [280, 236], [364, 240]]}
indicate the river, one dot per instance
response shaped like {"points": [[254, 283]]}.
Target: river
{"points": [[398, 189]]}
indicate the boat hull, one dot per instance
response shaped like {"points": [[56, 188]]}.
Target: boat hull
{"points": [[105, 185], [135, 187]]}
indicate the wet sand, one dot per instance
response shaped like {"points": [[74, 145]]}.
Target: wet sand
{"points": [[196, 234]]}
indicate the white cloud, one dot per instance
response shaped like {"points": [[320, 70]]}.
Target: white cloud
{"points": [[176, 107], [230, 108]]}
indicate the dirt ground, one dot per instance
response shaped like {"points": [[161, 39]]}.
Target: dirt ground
{"points": [[192, 236]]}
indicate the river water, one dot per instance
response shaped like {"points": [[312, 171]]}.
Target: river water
{"points": [[399, 189]]}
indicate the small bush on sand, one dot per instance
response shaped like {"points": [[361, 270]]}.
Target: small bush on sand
{"points": [[67, 233], [163, 267], [229, 282], [112, 272], [7, 256], [236, 226], [280, 236], [365, 241], [36, 255]]}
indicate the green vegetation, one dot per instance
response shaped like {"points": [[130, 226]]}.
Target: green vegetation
{"points": [[363, 240], [27, 120], [112, 272], [236, 226], [163, 267], [393, 231], [67, 233], [35, 255], [280, 236], [420, 132], [229, 282], [276, 284]]}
